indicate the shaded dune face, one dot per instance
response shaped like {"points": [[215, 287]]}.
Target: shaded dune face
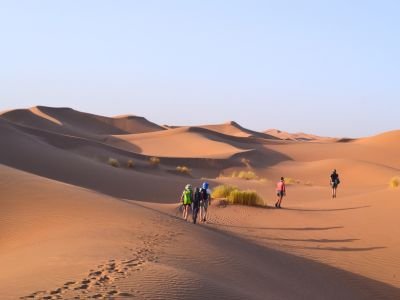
{"points": [[67, 120], [82, 159], [72, 225]]}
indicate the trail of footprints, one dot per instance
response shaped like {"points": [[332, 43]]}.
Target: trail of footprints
{"points": [[102, 282]]}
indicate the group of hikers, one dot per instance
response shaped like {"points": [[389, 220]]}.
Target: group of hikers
{"points": [[281, 188], [199, 199]]}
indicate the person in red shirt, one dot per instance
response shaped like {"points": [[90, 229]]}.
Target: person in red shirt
{"points": [[280, 192]]}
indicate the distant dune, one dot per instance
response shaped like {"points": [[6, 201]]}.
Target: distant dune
{"points": [[234, 129], [300, 136], [391, 138], [69, 121], [85, 214]]}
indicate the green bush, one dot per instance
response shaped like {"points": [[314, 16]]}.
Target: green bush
{"points": [[113, 162], [222, 191], [183, 170], [394, 182], [247, 197], [154, 161]]}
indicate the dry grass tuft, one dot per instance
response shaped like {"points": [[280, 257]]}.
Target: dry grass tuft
{"points": [[246, 162], [183, 170], [222, 191], [236, 196], [290, 181], [247, 197], [130, 164], [394, 182], [247, 175], [113, 162], [154, 161]]}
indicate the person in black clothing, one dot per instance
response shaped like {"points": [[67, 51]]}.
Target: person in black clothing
{"points": [[196, 204], [334, 182]]}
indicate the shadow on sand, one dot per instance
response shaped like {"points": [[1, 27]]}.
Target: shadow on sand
{"points": [[326, 209], [345, 249], [308, 240], [278, 228]]}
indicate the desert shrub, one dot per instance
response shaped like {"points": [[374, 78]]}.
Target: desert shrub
{"points": [[113, 162], [130, 163], [236, 196], [394, 182], [246, 162], [183, 170], [289, 180], [154, 161], [246, 197], [248, 175], [222, 191]]}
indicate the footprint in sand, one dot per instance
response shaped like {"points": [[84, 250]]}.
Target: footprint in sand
{"points": [[82, 287], [125, 295], [112, 293]]}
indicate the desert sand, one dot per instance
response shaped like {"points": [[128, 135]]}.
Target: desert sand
{"points": [[74, 227]]}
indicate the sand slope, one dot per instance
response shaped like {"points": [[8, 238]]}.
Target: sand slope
{"points": [[67, 242]]}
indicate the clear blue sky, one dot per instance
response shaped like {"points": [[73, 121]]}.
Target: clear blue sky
{"points": [[324, 67]]}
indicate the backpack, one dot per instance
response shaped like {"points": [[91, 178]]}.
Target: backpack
{"points": [[204, 194], [187, 196]]}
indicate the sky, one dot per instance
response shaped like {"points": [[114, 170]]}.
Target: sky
{"points": [[325, 67]]}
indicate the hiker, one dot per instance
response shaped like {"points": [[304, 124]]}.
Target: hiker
{"points": [[205, 201], [334, 182], [280, 192], [196, 204], [186, 199]]}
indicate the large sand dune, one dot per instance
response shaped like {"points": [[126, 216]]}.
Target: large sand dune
{"points": [[69, 121], [73, 226]]}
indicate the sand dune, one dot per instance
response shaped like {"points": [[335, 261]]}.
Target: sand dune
{"points": [[181, 142], [299, 136], [391, 138], [73, 226], [234, 129], [354, 150], [69, 121]]}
